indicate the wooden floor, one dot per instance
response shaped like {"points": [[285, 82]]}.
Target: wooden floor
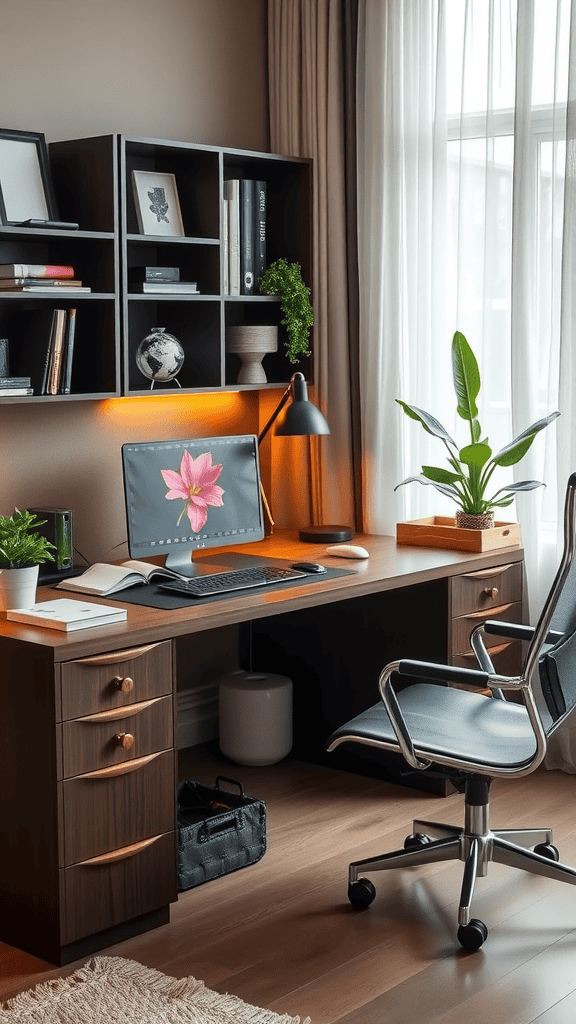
{"points": [[281, 933]]}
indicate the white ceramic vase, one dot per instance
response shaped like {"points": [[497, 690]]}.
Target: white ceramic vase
{"points": [[251, 344], [18, 587]]}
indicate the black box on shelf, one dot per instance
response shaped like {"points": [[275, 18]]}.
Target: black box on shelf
{"points": [[58, 530], [218, 831]]}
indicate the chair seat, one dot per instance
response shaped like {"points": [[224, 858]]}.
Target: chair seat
{"points": [[490, 733]]}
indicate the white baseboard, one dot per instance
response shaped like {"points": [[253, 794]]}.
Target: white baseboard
{"points": [[196, 716]]}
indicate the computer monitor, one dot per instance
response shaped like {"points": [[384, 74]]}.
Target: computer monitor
{"points": [[184, 496]]}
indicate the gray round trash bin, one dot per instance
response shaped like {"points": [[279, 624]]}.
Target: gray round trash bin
{"points": [[255, 717]]}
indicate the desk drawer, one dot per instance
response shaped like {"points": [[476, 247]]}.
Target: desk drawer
{"points": [[116, 679], [105, 891], [486, 589], [463, 626], [112, 737], [506, 658], [117, 806]]}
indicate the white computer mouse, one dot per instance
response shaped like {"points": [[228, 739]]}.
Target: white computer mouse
{"points": [[348, 551]]}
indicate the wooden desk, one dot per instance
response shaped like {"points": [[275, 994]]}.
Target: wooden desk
{"points": [[87, 760]]}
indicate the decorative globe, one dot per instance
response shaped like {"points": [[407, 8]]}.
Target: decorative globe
{"points": [[160, 356]]}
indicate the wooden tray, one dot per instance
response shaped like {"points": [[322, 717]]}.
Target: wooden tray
{"points": [[442, 532]]}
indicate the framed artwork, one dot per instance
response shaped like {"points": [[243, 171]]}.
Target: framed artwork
{"points": [[157, 204], [26, 190]]}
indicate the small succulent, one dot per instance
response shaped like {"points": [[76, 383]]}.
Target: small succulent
{"points": [[285, 279], [472, 466], [20, 546]]}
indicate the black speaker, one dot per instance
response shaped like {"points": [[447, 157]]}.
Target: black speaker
{"points": [[58, 530]]}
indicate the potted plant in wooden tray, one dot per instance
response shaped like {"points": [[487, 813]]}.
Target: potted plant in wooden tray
{"points": [[470, 468], [285, 279], [22, 549]]}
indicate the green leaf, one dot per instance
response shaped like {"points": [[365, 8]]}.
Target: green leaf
{"points": [[523, 485], [446, 489], [475, 454], [440, 476], [466, 377], [430, 424], [516, 450]]}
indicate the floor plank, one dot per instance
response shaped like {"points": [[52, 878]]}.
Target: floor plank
{"points": [[282, 934]]}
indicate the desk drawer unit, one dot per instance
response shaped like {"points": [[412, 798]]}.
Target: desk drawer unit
{"points": [[495, 593], [116, 790]]}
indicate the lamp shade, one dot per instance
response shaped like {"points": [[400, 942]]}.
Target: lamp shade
{"points": [[301, 416]]}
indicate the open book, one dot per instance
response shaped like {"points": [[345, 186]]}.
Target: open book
{"points": [[102, 578]]}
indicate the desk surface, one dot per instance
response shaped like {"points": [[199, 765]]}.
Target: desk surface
{"points": [[390, 566]]}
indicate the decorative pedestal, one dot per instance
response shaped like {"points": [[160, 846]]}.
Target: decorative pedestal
{"points": [[251, 344], [255, 717]]}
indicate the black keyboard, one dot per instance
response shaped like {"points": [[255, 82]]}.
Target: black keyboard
{"points": [[235, 579]]}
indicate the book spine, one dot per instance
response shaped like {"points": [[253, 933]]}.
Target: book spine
{"points": [[232, 188], [225, 246], [53, 385], [35, 270], [259, 231], [246, 236], [68, 352]]}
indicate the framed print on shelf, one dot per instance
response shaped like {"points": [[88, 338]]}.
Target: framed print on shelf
{"points": [[157, 204], [26, 190]]}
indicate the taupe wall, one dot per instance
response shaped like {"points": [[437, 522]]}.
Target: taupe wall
{"points": [[193, 70]]}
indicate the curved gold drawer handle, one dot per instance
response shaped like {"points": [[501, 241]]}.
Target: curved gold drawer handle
{"points": [[117, 656], [116, 855], [489, 612], [115, 714], [497, 649], [120, 769], [484, 574]]}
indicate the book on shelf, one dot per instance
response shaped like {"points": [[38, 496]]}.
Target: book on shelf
{"points": [[45, 270], [56, 350], [68, 355], [67, 614], [259, 231], [15, 382], [103, 578], [47, 288], [247, 226], [154, 273], [15, 283], [13, 392], [225, 254], [232, 194], [168, 287]]}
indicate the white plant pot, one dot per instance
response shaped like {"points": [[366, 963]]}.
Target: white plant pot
{"points": [[251, 344], [18, 587]]}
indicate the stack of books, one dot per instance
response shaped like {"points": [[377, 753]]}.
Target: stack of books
{"points": [[160, 280], [40, 278], [244, 235], [15, 386]]}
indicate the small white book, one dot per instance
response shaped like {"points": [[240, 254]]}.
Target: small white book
{"points": [[102, 578], [66, 614]]}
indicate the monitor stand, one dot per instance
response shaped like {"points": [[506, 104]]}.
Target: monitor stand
{"points": [[181, 562]]}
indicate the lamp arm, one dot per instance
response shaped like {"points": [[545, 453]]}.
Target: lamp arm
{"points": [[276, 413]]}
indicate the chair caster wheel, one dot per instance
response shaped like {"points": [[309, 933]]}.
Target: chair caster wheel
{"points": [[472, 935], [361, 893], [416, 840], [547, 850]]}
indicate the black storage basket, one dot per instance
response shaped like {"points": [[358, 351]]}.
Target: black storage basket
{"points": [[218, 831]]}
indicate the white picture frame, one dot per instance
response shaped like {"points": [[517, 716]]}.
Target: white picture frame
{"points": [[157, 204]]}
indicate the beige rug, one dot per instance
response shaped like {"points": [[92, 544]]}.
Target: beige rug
{"points": [[111, 990]]}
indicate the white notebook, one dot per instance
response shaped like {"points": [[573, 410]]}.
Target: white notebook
{"points": [[66, 614]]}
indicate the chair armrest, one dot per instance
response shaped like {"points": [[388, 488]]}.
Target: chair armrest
{"points": [[444, 673], [516, 631]]}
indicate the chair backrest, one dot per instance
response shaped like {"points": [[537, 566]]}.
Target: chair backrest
{"points": [[557, 663]]}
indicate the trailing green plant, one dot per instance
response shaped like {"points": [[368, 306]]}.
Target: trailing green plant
{"points": [[20, 546], [285, 279], [472, 466]]}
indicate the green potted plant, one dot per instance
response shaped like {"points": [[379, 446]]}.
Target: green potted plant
{"points": [[285, 279], [22, 550], [471, 467]]}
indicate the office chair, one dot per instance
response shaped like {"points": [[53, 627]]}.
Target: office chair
{"points": [[475, 738]]}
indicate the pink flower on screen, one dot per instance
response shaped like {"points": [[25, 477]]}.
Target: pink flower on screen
{"points": [[196, 485]]}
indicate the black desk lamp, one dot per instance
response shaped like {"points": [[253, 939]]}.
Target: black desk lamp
{"points": [[300, 418]]}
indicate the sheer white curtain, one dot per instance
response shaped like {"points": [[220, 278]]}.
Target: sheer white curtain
{"points": [[467, 204]]}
